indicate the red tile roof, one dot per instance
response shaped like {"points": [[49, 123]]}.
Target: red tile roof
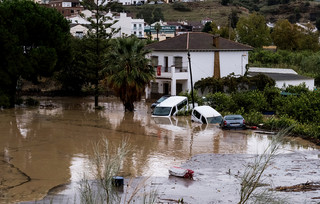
{"points": [[197, 41]]}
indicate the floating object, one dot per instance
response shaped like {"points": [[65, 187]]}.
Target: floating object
{"points": [[117, 181], [180, 172]]}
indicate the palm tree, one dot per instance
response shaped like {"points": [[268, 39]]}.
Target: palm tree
{"points": [[128, 70], [158, 28]]}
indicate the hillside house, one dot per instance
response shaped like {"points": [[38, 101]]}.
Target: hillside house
{"points": [[127, 25], [210, 56]]}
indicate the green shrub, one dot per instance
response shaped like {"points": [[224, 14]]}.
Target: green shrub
{"points": [[279, 123], [220, 101], [31, 102], [4, 101], [180, 7], [253, 118], [250, 101]]}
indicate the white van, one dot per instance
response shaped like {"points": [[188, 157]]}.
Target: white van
{"points": [[171, 106], [205, 115]]}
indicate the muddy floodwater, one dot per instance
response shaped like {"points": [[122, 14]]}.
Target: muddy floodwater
{"points": [[47, 147]]}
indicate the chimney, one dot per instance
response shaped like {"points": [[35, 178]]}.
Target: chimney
{"points": [[216, 40]]}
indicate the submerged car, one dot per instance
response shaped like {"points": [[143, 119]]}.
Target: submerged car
{"points": [[233, 121], [162, 98], [171, 106], [206, 115]]}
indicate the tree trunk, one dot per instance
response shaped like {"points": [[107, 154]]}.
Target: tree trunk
{"points": [[128, 106]]}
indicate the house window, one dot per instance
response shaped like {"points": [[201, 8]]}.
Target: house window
{"points": [[140, 33], [178, 62], [79, 34], [140, 25], [166, 64], [154, 61], [134, 25], [154, 87]]}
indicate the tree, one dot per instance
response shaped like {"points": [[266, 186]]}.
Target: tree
{"points": [[129, 71], [34, 43], [207, 27], [100, 32], [76, 74], [253, 31], [285, 35], [150, 14], [158, 28]]}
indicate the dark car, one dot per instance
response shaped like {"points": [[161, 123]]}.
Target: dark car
{"points": [[159, 101], [233, 121]]}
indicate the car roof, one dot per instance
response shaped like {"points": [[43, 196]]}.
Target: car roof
{"points": [[207, 111], [233, 116], [172, 100]]}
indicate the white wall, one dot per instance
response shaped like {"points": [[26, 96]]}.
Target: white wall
{"points": [[202, 65], [309, 83], [233, 62]]}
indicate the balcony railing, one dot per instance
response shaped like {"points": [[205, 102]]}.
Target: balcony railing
{"points": [[168, 72]]}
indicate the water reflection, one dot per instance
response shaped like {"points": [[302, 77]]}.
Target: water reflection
{"points": [[53, 146]]}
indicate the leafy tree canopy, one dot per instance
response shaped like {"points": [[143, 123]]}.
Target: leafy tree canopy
{"points": [[34, 42], [150, 14], [252, 30]]}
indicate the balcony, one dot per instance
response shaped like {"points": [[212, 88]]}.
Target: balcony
{"points": [[172, 72]]}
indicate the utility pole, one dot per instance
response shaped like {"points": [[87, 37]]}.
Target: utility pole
{"points": [[191, 79]]}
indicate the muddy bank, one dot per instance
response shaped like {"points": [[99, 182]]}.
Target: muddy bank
{"points": [[217, 180]]}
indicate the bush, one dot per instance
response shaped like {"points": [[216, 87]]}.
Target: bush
{"points": [[253, 118], [250, 101], [31, 102], [280, 123], [4, 101], [220, 102], [180, 7]]}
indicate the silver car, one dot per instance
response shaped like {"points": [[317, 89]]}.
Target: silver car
{"points": [[233, 121]]}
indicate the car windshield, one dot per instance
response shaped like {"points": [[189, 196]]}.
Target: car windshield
{"points": [[213, 120], [233, 117], [162, 111], [162, 99]]}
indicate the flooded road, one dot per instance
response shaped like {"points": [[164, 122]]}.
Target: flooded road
{"points": [[44, 147]]}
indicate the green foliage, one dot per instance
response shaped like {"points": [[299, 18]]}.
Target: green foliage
{"points": [[128, 70], [75, 75], [116, 7], [279, 123], [196, 97], [178, 6], [253, 117], [289, 36], [233, 83], [300, 89], [4, 101], [252, 30], [34, 42], [250, 100], [31, 102], [220, 101], [304, 62], [97, 42], [150, 14], [303, 108]]}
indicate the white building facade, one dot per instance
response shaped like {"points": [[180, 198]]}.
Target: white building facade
{"points": [[210, 56], [127, 25]]}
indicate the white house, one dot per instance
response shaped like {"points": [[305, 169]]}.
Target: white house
{"points": [[283, 77], [78, 30], [127, 25], [131, 2], [210, 56]]}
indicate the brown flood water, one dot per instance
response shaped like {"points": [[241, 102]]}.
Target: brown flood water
{"points": [[41, 148]]}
